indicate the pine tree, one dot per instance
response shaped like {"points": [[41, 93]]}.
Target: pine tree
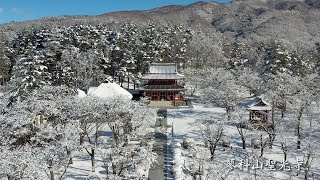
{"points": [[5, 62]]}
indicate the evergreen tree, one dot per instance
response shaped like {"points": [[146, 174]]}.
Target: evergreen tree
{"points": [[5, 62]]}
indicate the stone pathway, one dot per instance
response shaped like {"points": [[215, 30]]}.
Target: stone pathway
{"points": [[157, 169], [162, 169], [168, 163]]}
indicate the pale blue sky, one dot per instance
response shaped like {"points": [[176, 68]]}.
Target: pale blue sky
{"points": [[20, 10]]}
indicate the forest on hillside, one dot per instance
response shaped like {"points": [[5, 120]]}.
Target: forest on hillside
{"points": [[228, 54], [86, 55]]}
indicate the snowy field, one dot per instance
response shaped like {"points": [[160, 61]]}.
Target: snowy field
{"points": [[227, 161]]}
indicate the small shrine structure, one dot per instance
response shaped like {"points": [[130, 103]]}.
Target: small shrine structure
{"points": [[258, 110]]}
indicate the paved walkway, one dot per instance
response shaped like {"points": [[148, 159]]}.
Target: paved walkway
{"points": [[157, 169], [162, 169]]}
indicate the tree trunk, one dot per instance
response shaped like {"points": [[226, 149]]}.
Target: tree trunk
{"points": [[51, 174], [284, 150], [307, 165], [306, 175], [96, 135], [283, 109], [92, 160], [114, 171], [271, 139], [212, 149], [228, 110], [50, 169], [240, 131], [243, 144], [261, 146], [261, 151], [272, 116], [298, 129], [69, 154], [81, 139]]}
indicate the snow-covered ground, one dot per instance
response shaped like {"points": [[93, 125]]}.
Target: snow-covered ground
{"points": [[184, 126]]}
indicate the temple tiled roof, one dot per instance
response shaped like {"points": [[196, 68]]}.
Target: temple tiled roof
{"points": [[163, 68], [162, 76], [162, 71]]}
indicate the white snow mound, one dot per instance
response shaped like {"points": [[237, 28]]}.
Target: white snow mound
{"points": [[90, 90], [81, 94], [109, 90]]}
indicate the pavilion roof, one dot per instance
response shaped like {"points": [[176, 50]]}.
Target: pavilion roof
{"points": [[257, 103]]}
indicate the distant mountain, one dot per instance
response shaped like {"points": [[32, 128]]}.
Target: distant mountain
{"points": [[253, 24], [296, 21]]}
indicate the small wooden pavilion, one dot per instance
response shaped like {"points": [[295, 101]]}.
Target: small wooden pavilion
{"points": [[161, 83], [258, 110]]}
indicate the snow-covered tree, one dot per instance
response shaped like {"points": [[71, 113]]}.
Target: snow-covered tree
{"points": [[220, 87], [211, 131], [279, 87], [36, 138], [5, 53], [299, 103], [238, 117]]}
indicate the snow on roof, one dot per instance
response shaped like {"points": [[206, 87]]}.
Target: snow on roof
{"points": [[91, 89], [162, 76], [256, 103], [163, 68], [106, 90], [81, 94], [260, 108], [162, 71]]}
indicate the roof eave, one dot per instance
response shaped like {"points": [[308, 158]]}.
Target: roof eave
{"points": [[142, 89]]}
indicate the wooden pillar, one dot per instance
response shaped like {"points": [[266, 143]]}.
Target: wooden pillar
{"points": [[266, 115], [158, 93], [128, 83]]}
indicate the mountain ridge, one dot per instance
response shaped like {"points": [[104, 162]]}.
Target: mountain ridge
{"points": [[294, 21]]}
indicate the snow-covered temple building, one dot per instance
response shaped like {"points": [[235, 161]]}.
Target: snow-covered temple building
{"points": [[258, 110], [161, 83], [106, 90]]}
